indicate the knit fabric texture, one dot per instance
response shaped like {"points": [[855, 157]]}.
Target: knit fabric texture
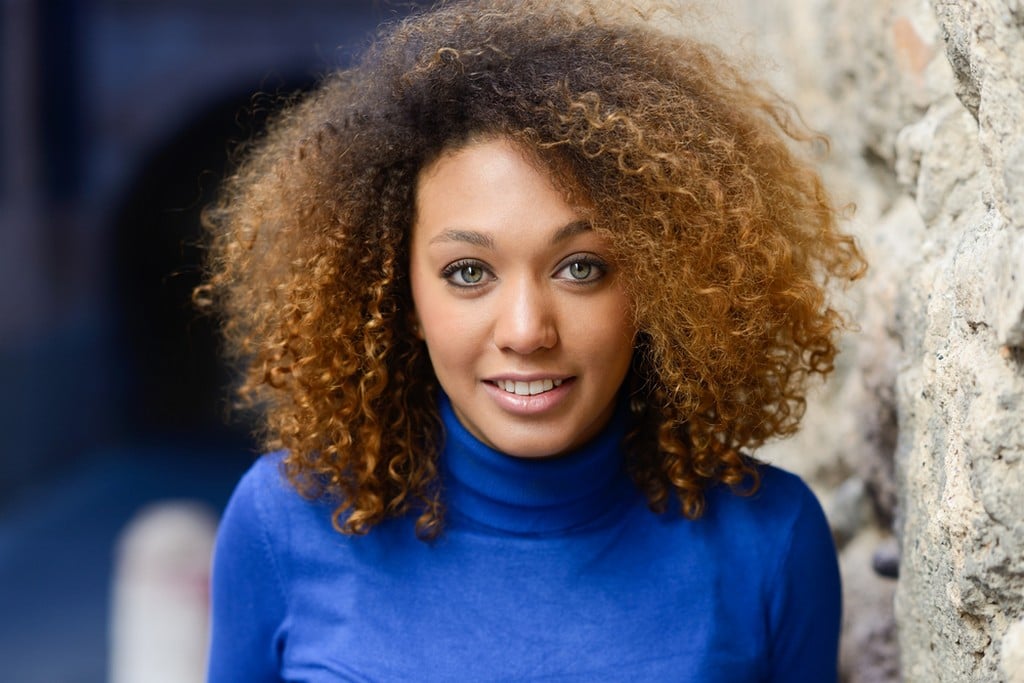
{"points": [[547, 570]]}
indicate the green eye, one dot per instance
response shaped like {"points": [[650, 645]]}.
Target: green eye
{"points": [[471, 274], [467, 274], [580, 270]]}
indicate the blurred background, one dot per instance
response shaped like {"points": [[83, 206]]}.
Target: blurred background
{"points": [[118, 117], [117, 120]]}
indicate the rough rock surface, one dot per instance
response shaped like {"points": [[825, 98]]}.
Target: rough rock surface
{"points": [[924, 101]]}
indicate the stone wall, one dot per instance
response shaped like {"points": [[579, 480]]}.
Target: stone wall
{"points": [[916, 445]]}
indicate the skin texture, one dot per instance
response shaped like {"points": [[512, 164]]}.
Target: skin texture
{"points": [[510, 284]]}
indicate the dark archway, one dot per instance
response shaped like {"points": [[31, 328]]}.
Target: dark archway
{"points": [[173, 380]]}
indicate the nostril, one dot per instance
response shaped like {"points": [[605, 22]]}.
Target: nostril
{"points": [[525, 317]]}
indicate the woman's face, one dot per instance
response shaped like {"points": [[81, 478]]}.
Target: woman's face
{"points": [[524, 317]]}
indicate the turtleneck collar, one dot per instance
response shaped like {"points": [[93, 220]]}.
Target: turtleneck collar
{"points": [[533, 495]]}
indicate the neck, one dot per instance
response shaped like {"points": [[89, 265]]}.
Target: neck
{"points": [[533, 495]]}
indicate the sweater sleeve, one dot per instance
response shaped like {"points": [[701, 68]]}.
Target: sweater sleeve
{"points": [[806, 606], [246, 598]]}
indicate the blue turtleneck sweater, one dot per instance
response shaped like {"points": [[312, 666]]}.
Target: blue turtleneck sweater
{"points": [[550, 570]]}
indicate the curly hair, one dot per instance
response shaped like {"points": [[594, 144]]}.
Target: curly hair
{"points": [[692, 172]]}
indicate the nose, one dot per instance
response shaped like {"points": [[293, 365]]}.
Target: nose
{"points": [[525, 319]]}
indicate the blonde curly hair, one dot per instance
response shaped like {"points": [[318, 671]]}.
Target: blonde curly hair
{"points": [[688, 169]]}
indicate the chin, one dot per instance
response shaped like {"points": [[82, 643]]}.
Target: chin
{"points": [[533, 445], [538, 453]]}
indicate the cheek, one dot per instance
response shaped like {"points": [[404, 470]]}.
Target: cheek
{"points": [[451, 334], [609, 332], [426, 301], [443, 321]]}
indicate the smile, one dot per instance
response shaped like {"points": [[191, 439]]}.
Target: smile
{"points": [[538, 386]]}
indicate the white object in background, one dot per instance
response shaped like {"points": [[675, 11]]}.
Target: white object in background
{"points": [[1013, 653], [159, 626]]}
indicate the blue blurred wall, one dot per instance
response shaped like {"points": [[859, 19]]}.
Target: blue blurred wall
{"points": [[116, 118]]}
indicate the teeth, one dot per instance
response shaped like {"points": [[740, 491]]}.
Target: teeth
{"points": [[537, 386]]}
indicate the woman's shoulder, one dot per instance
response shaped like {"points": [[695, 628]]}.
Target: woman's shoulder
{"points": [[264, 482], [266, 503], [783, 493], [780, 495], [783, 508], [267, 468]]}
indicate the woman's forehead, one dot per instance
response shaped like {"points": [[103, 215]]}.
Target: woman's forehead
{"points": [[486, 191]]}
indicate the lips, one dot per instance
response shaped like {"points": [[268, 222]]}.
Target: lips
{"points": [[529, 396], [530, 388]]}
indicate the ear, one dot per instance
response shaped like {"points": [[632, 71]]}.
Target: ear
{"points": [[414, 325]]}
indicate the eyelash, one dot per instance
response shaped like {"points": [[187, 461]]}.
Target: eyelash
{"points": [[587, 260], [452, 268], [449, 271]]}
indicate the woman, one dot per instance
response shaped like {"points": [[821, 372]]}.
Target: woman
{"points": [[517, 295]]}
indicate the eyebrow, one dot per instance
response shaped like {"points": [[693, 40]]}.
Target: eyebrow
{"points": [[471, 236], [570, 230], [487, 242]]}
